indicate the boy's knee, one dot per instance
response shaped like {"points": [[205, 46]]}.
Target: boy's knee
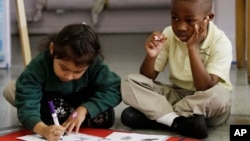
{"points": [[219, 120], [219, 110], [137, 77], [125, 90], [221, 101]]}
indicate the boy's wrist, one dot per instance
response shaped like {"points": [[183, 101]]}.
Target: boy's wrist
{"points": [[150, 57], [193, 47]]}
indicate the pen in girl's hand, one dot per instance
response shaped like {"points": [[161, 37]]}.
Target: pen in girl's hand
{"points": [[53, 113]]}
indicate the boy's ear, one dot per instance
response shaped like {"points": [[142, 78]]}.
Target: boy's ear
{"points": [[210, 16], [51, 48]]}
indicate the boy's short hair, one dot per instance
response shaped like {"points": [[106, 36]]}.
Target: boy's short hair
{"points": [[209, 5], [206, 3]]}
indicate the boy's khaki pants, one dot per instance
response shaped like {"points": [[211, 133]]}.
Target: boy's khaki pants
{"points": [[156, 99]]}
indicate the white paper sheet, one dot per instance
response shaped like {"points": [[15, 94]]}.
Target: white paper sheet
{"points": [[121, 136], [115, 136], [70, 137]]}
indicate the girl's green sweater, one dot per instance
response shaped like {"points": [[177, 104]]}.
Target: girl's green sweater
{"points": [[38, 79]]}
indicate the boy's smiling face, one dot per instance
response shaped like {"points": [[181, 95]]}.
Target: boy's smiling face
{"points": [[185, 14]]}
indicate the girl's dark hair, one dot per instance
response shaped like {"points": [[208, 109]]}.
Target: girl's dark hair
{"points": [[75, 42]]}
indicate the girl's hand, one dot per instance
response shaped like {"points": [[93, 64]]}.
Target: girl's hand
{"points": [[200, 33], [75, 119], [154, 43], [53, 132]]}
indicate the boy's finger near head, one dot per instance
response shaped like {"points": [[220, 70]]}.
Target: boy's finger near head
{"points": [[208, 18], [196, 28], [205, 24]]}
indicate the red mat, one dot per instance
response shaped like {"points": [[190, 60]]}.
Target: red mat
{"points": [[90, 131]]}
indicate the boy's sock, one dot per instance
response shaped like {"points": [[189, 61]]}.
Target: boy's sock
{"points": [[167, 119]]}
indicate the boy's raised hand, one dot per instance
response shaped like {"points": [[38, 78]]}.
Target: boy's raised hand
{"points": [[154, 43], [199, 34]]}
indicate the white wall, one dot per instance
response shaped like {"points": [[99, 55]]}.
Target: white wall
{"points": [[225, 19], [137, 20], [121, 20]]}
